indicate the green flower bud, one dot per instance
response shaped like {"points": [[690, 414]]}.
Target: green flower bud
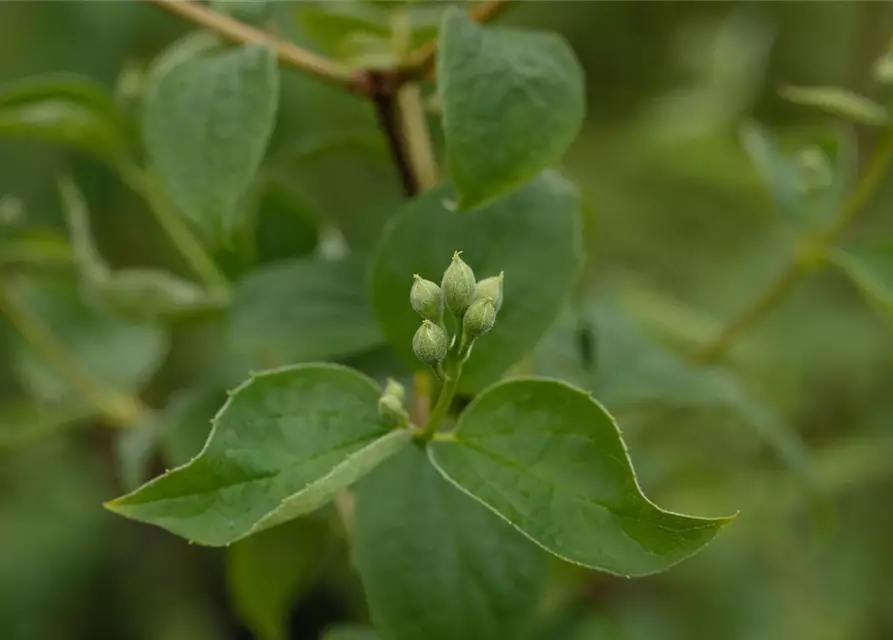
{"points": [[394, 388], [426, 298], [458, 286], [491, 288], [391, 409], [430, 343], [479, 319]]}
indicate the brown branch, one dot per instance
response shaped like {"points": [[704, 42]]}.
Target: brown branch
{"points": [[383, 94], [287, 53]]}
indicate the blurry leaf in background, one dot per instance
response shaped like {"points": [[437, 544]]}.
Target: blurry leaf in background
{"points": [[184, 424], [550, 460], [350, 632], [321, 165], [305, 309], [33, 247], [207, 121], [134, 450], [871, 269], [141, 294], [839, 102], [629, 371], [267, 573], [519, 234], [287, 440], [287, 223], [513, 101], [23, 421], [807, 181], [65, 109], [254, 12], [483, 575], [120, 355]]}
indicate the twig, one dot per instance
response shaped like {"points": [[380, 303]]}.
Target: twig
{"points": [[120, 409], [415, 133], [287, 53], [803, 261], [383, 95]]}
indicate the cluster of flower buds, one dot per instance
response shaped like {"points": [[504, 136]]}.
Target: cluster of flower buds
{"points": [[474, 304], [390, 404]]}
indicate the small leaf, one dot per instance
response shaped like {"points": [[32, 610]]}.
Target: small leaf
{"points": [[136, 293], [120, 355], [284, 443], [839, 102], [207, 122], [478, 577], [532, 235], [871, 270], [513, 101], [268, 572], [550, 460], [304, 309], [64, 109]]}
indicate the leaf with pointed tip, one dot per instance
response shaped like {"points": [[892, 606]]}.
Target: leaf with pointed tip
{"points": [[284, 443], [549, 460], [532, 235], [420, 541], [206, 124], [513, 101], [305, 309], [268, 572]]}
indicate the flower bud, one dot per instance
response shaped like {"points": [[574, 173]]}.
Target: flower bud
{"points": [[430, 343], [479, 319], [458, 286], [391, 409], [491, 288], [394, 388], [426, 298]]}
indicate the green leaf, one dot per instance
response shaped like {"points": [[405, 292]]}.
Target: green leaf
{"points": [[350, 632], [513, 101], [206, 124], [185, 423], [284, 443], [65, 109], [25, 420], [33, 247], [120, 355], [807, 180], [550, 460], [305, 309], [287, 224], [268, 572], [136, 293], [532, 235], [839, 102], [871, 270], [437, 565]]}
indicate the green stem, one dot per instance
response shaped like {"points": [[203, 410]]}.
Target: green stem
{"points": [[805, 259], [174, 226], [120, 409], [444, 400], [416, 134]]}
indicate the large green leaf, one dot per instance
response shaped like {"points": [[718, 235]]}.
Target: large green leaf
{"points": [[207, 122], [532, 235], [268, 572], [185, 422], [437, 565], [306, 309], [284, 443], [550, 460], [65, 109], [513, 102], [120, 355]]}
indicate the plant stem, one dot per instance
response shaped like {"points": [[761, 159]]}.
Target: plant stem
{"points": [[416, 134], [805, 259], [383, 94], [444, 400], [174, 226], [120, 409], [287, 53]]}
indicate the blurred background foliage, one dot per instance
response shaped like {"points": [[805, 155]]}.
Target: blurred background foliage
{"points": [[795, 429]]}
